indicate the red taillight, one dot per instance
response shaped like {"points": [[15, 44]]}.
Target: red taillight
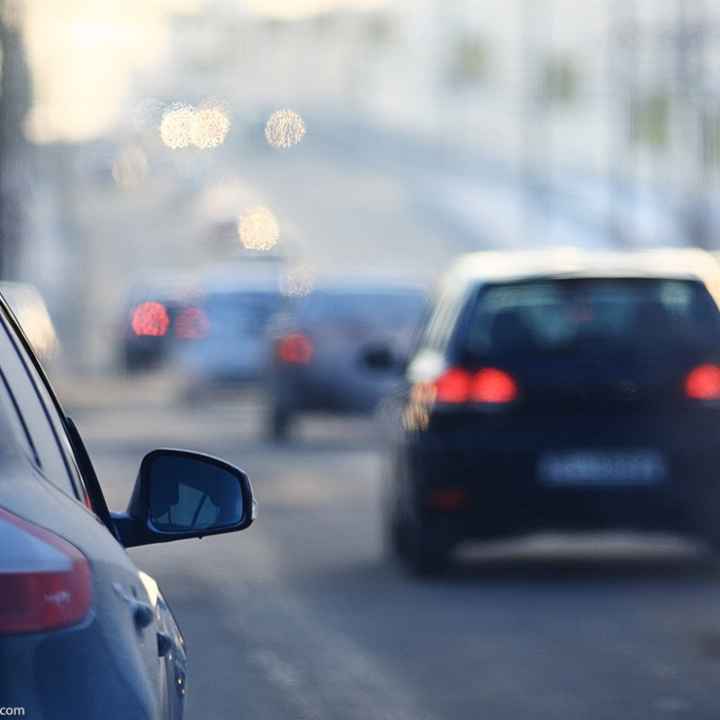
{"points": [[46, 582], [192, 324], [703, 383], [486, 386], [294, 349], [493, 386], [453, 386], [150, 318]]}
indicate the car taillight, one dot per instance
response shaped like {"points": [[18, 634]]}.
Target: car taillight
{"points": [[493, 386], [294, 349], [192, 324], [487, 386], [150, 319], [703, 383], [453, 386], [46, 582]]}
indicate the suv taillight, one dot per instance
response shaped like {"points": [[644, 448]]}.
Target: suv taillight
{"points": [[46, 582], [488, 386], [703, 382]]}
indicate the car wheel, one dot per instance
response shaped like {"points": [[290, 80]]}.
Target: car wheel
{"points": [[279, 424], [420, 550], [709, 520]]}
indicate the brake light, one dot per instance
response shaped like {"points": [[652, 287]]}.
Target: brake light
{"points": [[487, 386], [493, 386], [294, 349], [46, 582], [453, 386], [150, 319], [703, 383], [192, 324]]}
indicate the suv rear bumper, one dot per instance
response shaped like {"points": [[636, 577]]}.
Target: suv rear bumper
{"points": [[499, 490]]}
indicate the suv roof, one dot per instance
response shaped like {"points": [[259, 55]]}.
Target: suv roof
{"points": [[685, 263]]}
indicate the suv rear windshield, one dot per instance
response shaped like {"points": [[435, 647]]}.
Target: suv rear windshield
{"points": [[241, 312], [387, 308], [547, 316]]}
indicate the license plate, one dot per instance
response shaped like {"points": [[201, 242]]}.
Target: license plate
{"points": [[627, 468]]}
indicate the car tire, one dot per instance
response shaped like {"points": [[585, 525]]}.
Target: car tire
{"points": [[279, 425], [420, 550], [710, 527]]}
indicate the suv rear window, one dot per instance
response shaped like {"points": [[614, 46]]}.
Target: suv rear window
{"points": [[243, 313], [387, 308], [545, 316]]}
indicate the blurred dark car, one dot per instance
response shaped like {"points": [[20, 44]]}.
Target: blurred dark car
{"points": [[154, 318], [320, 349], [84, 635], [228, 327], [564, 392]]}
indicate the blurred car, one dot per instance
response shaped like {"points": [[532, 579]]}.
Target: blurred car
{"points": [[31, 311], [149, 322], [560, 391], [228, 328], [83, 633], [318, 361]]}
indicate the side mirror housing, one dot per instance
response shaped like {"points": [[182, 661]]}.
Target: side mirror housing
{"points": [[181, 494]]}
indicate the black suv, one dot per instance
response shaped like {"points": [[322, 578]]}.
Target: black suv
{"points": [[560, 390]]}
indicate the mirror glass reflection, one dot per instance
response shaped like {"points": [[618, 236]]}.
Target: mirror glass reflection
{"points": [[189, 494]]}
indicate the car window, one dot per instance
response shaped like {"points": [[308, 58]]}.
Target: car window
{"points": [[16, 436], [45, 435], [386, 308], [240, 313], [443, 319], [391, 309], [15, 450], [658, 317]]}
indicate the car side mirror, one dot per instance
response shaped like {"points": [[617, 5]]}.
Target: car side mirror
{"points": [[181, 494], [381, 358]]}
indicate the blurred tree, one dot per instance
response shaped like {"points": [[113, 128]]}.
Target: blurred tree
{"points": [[469, 60], [650, 119], [15, 96], [559, 82]]}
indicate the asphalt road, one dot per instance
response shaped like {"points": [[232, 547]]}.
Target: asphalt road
{"points": [[301, 617]]}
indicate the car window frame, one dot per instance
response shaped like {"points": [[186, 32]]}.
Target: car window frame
{"points": [[446, 318], [48, 402]]}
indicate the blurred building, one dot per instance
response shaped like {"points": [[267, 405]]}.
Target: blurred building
{"points": [[627, 90], [614, 101], [15, 98]]}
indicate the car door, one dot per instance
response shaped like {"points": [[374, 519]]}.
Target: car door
{"points": [[106, 665]]}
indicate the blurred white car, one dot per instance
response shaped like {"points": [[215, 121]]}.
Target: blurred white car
{"points": [[228, 334], [31, 311]]}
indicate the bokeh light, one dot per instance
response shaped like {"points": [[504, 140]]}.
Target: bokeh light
{"points": [[210, 127], [284, 129], [176, 126], [258, 229], [150, 319], [204, 127]]}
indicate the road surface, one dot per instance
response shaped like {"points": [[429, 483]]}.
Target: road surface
{"points": [[301, 617]]}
